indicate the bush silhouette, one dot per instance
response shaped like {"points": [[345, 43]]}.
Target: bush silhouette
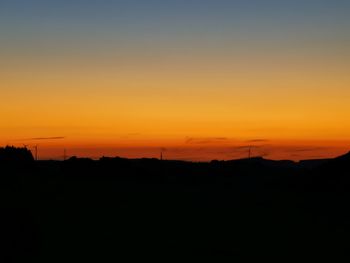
{"points": [[11, 154]]}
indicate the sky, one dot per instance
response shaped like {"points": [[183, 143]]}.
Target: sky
{"points": [[196, 79]]}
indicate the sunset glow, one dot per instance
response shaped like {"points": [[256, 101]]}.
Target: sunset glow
{"points": [[198, 80]]}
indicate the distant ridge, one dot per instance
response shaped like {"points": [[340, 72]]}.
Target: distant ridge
{"points": [[22, 154], [249, 164], [344, 157]]}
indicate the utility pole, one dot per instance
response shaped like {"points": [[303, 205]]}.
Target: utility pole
{"points": [[250, 152], [161, 155]]}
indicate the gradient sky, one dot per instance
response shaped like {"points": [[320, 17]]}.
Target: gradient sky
{"points": [[199, 79]]}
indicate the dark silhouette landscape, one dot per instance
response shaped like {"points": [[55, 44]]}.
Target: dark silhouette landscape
{"points": [[105, 210]]}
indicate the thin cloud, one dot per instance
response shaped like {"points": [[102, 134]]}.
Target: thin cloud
{"points": [[244, 147], [308, 149], [42, 138], [249, 150], [257, 140], [208, 140]]}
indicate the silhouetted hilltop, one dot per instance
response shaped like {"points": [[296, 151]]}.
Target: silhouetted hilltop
{"points": [[345, 157], [103, 210], [339, 166], [313, 163], [10, 154], [238, 166], [262, 163]]}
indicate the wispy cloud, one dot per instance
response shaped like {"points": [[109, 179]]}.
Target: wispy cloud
{"points": [[244, 147], [257, 140], [42, 138], [208, 140], [308, 149]]}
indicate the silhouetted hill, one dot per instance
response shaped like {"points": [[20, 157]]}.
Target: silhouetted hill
{"points": [[336, 166], [312, 164], [105, 210], [343, 158], [259, 162]]}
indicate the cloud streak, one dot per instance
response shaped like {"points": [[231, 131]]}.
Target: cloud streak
{"points": [[208, 140], [257, 140], [42, 138]]}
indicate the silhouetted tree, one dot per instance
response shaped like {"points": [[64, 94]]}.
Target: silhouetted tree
{"points": [[15, 155]]}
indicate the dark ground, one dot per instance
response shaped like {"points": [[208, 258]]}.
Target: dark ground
{"points": [[108, 210]]}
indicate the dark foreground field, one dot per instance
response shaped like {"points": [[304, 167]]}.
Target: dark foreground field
{"points": [[108, 210]]}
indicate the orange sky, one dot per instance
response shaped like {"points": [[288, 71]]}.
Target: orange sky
{"points": [[135, 112], [131, 88]]}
